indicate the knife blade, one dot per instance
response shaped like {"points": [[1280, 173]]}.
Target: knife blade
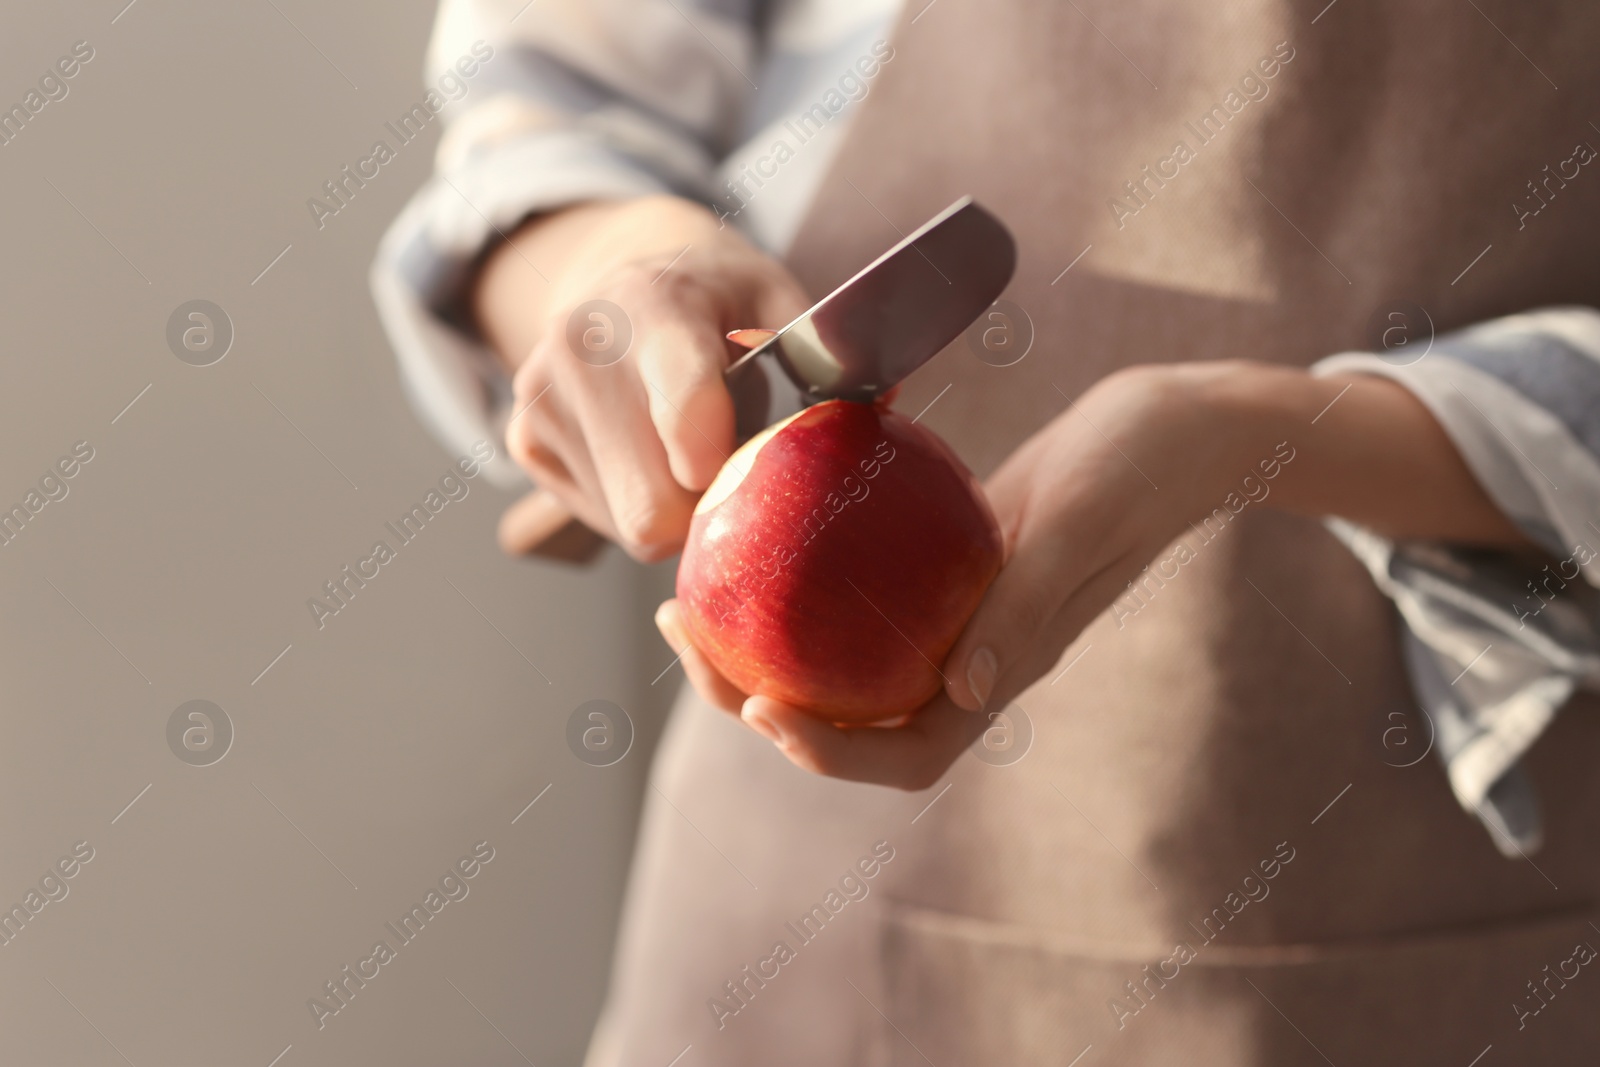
{"points": [[898, 311]]}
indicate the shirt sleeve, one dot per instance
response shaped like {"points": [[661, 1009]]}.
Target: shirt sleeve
{"points": [[544, 103], [1496, 642]]}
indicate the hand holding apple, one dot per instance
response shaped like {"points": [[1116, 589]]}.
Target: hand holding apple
{"points": [[1081, 513], [1077, 519]]}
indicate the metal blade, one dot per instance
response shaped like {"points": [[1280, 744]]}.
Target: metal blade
{"points": [[898, 311]]}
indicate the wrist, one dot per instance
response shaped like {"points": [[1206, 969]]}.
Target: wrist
{"points": [[1224, 430], [554, 260], [1267, 412], [1366, 450], [625, 232]]}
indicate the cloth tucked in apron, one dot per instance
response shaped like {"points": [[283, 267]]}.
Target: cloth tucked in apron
{"points": [[1213, 852]]}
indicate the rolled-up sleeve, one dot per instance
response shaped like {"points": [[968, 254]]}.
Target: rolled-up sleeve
{"points": [[1497, 642], [567, 100]]}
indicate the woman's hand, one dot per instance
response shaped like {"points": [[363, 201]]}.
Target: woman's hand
{"points": [[1079, 517], [1093, 497], [627, 438]]}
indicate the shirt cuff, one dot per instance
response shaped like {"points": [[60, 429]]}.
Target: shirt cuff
{"points": [[1495, 645]]}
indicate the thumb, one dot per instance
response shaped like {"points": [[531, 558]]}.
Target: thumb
{"points": [[1062, 569], [1017, 608], [1038, 605]]}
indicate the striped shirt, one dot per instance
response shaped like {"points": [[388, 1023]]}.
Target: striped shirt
{"points": [[742, 104]]}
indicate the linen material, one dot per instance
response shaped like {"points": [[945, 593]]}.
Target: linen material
{"points": [[1242, 707], [1499, 641]]}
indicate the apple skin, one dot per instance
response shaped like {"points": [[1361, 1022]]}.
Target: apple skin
{"points": [[835, 560]]}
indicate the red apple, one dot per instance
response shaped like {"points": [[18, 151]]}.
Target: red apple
{"points": [[834, 561]]}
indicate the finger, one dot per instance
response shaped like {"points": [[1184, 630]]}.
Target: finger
{"points": [[681, 360], [1057, 539], [583, 430], [565, 472], [713, 688], [533, 437], [619, 449], [910, 757], [542, 431], [532, 411], [1024, 596], [1005, 635]]}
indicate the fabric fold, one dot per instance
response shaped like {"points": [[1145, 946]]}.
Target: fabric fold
{"points": [[1497, 641]]}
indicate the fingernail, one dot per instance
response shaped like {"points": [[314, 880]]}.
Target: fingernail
{"points": [[981, 669], [763, 726]]}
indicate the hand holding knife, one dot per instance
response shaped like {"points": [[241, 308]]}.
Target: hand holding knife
{"points": [[856, 343]]}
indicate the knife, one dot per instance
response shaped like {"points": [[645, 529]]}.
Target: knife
{"points": [[856, 343]]}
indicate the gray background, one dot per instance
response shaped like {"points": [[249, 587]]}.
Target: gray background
{"points": [[182, 558]]}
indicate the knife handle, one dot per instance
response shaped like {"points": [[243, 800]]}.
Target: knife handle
{"points": [[540, 525]]}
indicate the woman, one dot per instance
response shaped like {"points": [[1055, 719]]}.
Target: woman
{"points": [[1216, 846]]}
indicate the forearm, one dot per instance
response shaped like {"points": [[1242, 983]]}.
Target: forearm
{"points": [[1366, 450]]}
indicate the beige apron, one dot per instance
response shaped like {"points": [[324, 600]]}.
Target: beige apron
{"points": [[1210, 854]]}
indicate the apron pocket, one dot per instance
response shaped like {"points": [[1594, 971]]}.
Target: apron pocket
{"points": [[962, 991]]}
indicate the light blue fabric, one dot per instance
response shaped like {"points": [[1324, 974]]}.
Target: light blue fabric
{"points": [[1497, 642]]}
